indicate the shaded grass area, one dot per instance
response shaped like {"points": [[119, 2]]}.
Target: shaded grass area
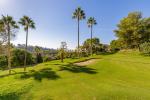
{"points": [[77, 69], [10, 96], [118, 76], [12, 89], [40, 74]]}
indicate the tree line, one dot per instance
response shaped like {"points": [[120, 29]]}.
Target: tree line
{"points": [[133, 32], [8, 28]]}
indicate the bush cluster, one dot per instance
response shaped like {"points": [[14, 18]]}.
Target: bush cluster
{"points": [[17, 59], [145, 48]]}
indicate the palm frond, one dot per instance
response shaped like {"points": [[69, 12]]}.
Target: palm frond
{"points": [[27, 22], [91, 21], [9, 21], [78, 14]]}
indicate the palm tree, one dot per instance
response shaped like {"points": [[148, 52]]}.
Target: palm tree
{"points": [[91, 21], [27, 23], [9, 25], [79, 15]]}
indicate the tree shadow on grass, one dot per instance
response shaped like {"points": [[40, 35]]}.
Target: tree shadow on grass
{"points": [[46, 73], [17, 96], [10, 96], [78, 69]]}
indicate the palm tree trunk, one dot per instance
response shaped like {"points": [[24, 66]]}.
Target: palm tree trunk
{"points": [[78, 37], [9, 52], [91, 40], [25, 60]]}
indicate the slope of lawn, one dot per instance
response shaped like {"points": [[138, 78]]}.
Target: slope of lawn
{"points": [[121, 76]]}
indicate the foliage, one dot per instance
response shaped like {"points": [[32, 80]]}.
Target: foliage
{"points": [[18, 58], [9, 27], [78, 14], [62, 51], [145, 48], [3, 62], [72, 54], [105, 48], [91, 21], [39, 58], [96, 46], [38, 51], [133, 30], [115, 45], [3, 35], [27, 23], [48, 58]]}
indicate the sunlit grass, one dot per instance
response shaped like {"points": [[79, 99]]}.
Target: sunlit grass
{"points": [[121, 76]]}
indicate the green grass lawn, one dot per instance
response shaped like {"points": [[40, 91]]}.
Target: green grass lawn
{"points": [[121, 76]]}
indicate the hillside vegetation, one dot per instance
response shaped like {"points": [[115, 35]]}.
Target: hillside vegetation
{"points": [[121, 76]]}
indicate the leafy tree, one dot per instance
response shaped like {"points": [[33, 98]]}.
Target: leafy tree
{"points": [[83, 52], [38, 52], [145, 30], [133, 30], [116, 45], [3, 61], [63, 48], [27, 23], [79, 15], [91, 21], [9, 26], [18, 57], [128, 30], [105, 48], [95, 45]]}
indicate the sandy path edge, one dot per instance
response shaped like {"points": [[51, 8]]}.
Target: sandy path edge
{"points": [[85, 63]]}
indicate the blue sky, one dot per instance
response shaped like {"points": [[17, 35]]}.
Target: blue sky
{"points": [[54, 21]]}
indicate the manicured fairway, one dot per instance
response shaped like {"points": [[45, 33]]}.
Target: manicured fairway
{"points": [[121, 76]]}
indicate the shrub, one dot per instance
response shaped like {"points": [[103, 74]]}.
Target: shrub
{"points": [[145, 48], [115, 46], [3, 62], [48, 58], [39, 58], [84, 54], [18, 56]]}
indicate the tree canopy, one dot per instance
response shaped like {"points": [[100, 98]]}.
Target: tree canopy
{"points": [[133, 30]]}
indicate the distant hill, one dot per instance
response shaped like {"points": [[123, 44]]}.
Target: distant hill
{"points": [[31, 48]]}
